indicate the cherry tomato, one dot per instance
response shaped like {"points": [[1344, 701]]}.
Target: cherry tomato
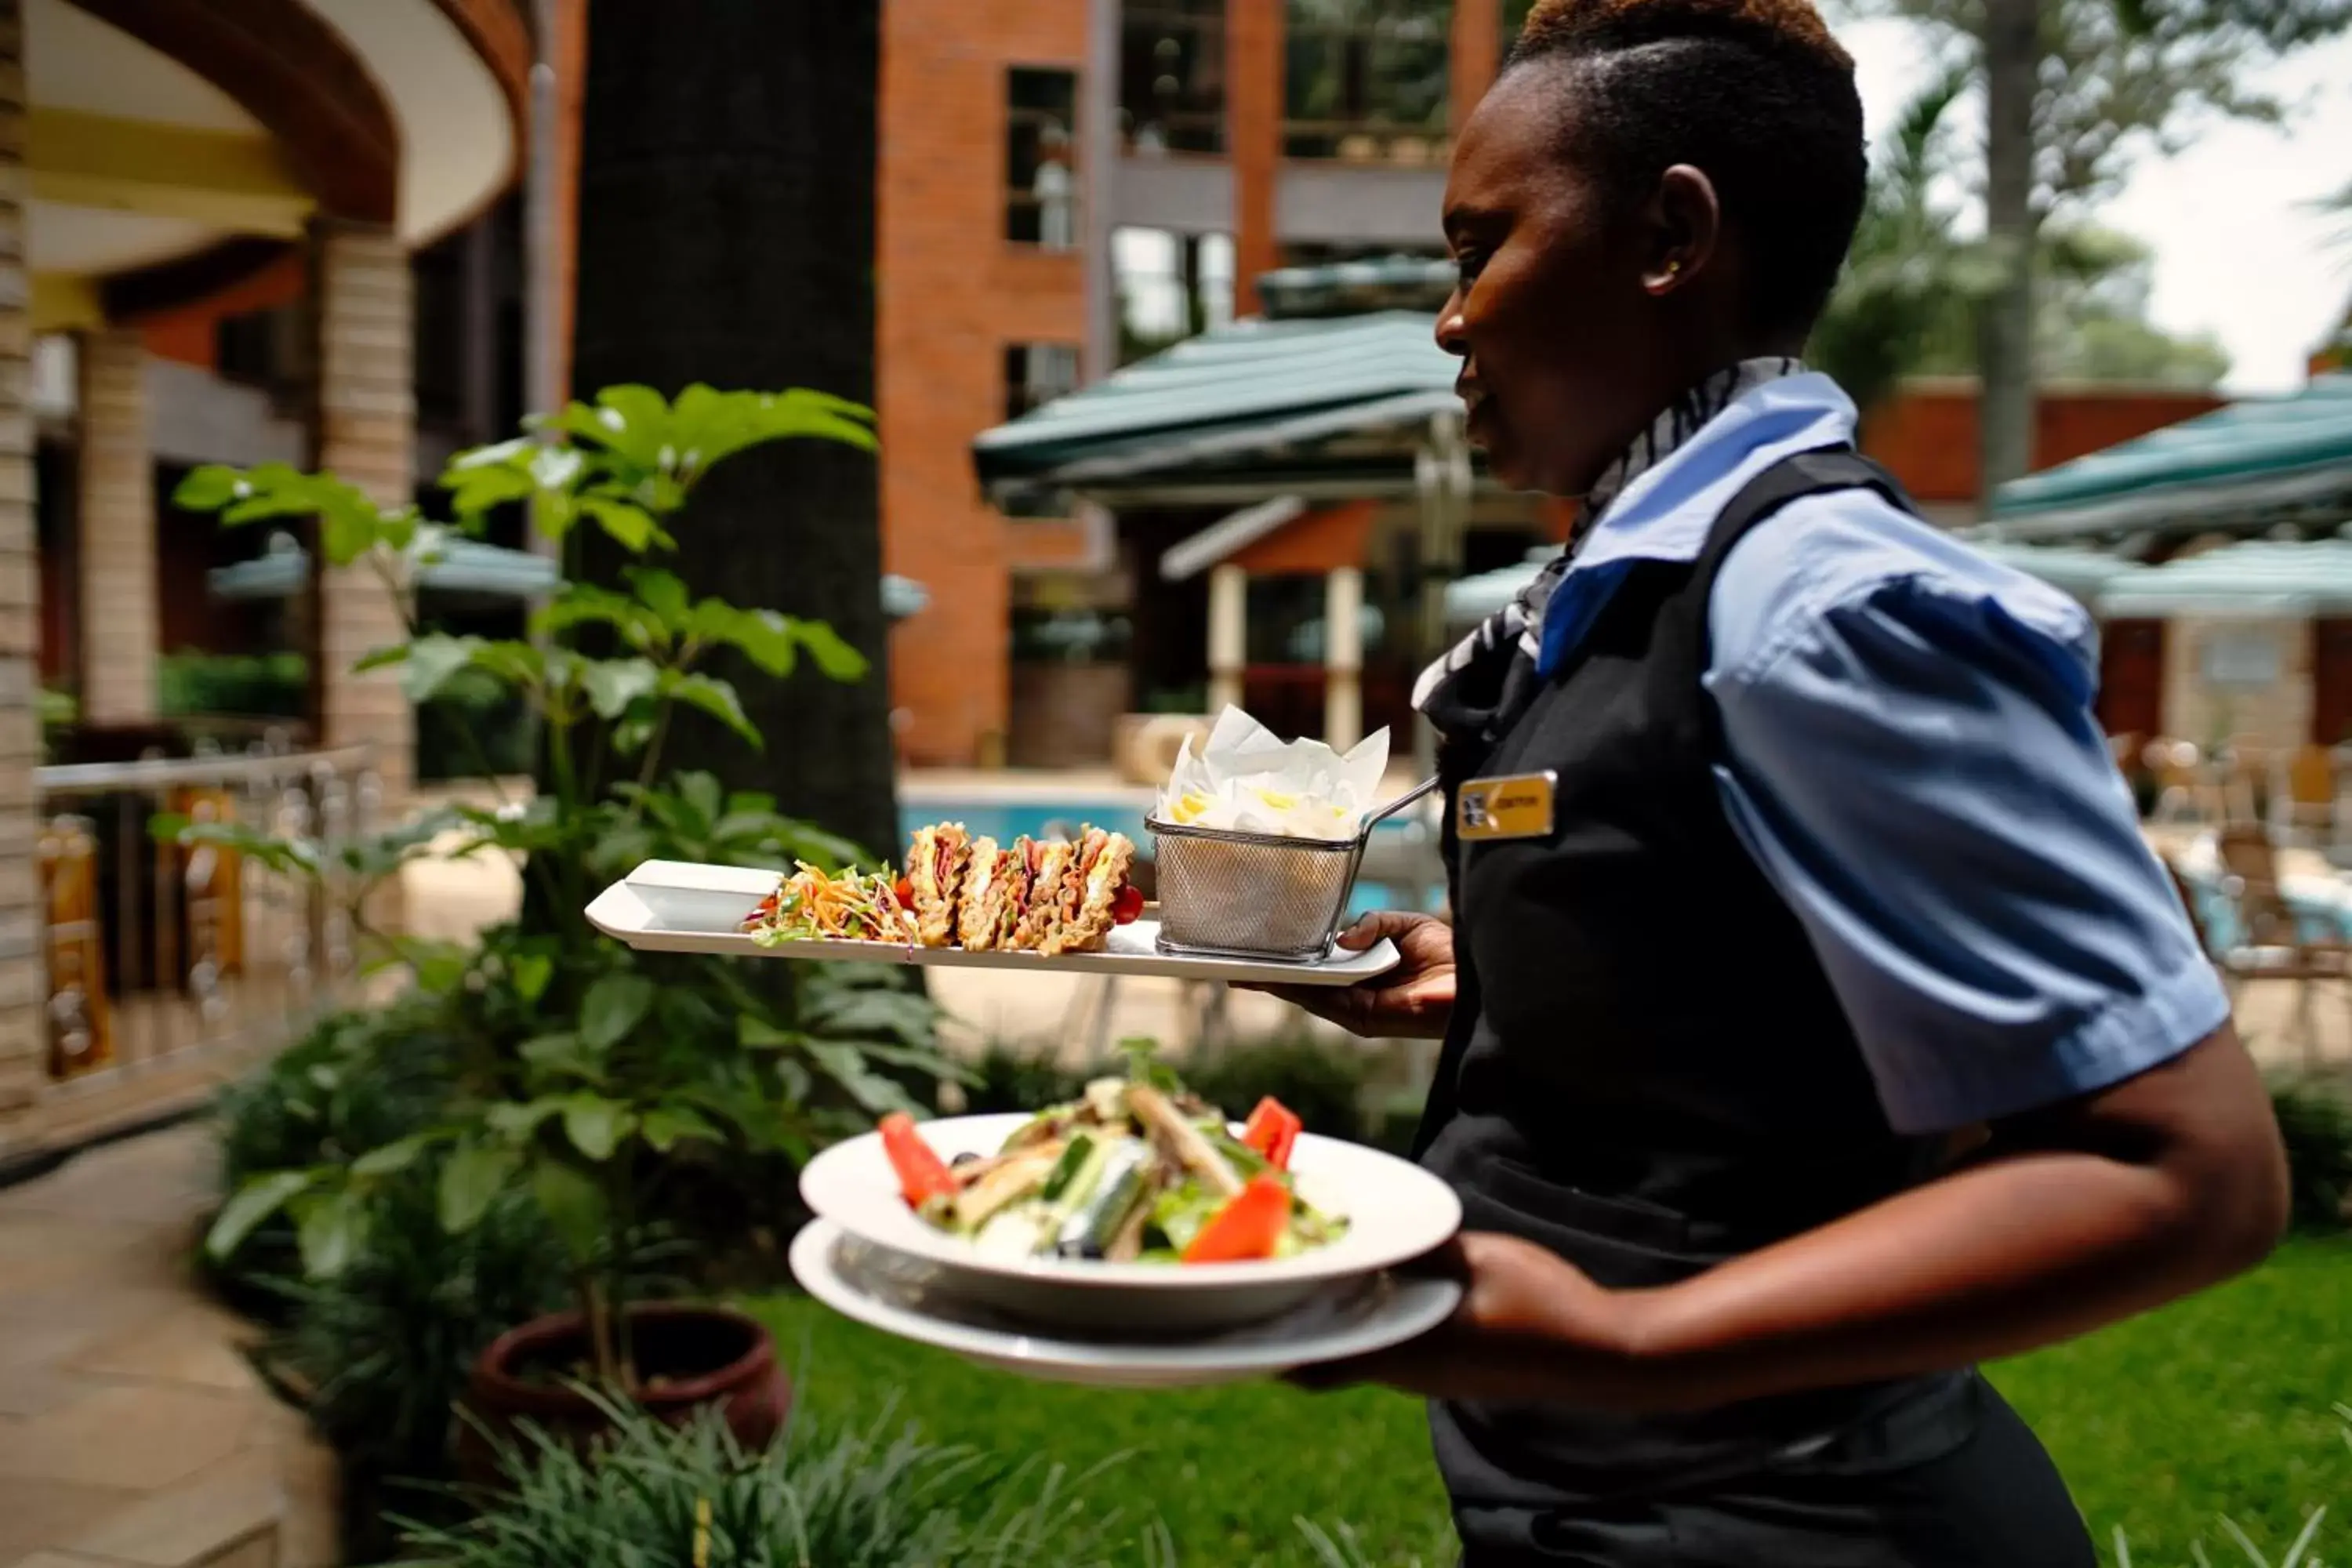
{"points": [[1128, 906]]}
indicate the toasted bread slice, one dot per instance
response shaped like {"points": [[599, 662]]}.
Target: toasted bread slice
{"points": [[1041, 914], [1015, 871], [1091, 884], [935, 869], [980, 906]]}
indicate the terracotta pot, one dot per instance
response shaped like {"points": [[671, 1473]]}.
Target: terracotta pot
{"points": [[705, 1355]]}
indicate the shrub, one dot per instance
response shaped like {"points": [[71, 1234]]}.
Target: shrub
{"points": [[656, 1497], [2314, 1120], [583, 1067], [352, 1082], [378, 1354], [1325, 1084], [190, 684]]}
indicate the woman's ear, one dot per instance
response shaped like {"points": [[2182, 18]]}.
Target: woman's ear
{"points": [[1685, 220]]}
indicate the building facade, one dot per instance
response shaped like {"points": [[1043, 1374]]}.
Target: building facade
{"points": [[231, 231], [1065, 187]]}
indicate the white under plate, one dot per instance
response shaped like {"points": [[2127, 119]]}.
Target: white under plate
{"points": [[1396, 1212], [902, 1296], [669, 906]]}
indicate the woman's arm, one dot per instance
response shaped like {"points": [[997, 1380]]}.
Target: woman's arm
{"points": [[2070, 1218]]}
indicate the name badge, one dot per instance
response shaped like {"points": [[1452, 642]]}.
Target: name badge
{"points": [[1519, 806]]}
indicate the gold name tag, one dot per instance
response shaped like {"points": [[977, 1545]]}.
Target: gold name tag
{"points": [[1514, 808]]}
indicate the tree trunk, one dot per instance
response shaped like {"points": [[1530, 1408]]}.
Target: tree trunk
{"points": [[2012, 55], [726, 235]]}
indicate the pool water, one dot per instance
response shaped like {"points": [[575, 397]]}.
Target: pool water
{"points": [[1005, 821]]}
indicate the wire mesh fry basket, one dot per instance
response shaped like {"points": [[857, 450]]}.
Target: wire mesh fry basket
{"points": [[1225, 894]]}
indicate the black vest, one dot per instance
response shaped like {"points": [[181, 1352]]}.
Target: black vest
{"points": [[1648, 1071]]}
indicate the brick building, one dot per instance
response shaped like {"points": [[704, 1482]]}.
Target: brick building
{"points": [[1066, 184]]}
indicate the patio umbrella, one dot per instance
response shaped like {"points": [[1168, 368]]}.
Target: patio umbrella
{"points": [[466, 566]]}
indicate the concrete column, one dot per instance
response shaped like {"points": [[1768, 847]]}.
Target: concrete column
{"points": [[364, 434], [1253, 66], [24, 990], [120, 610], [1475, 53], [1228, 635], [1343, 656]]}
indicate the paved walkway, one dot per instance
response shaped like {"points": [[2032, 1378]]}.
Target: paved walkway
{"points": [[133, 1435]]}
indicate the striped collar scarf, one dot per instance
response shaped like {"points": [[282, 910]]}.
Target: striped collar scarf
{"points": [[1485, 681]]}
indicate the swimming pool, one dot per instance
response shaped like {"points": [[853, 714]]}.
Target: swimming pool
{"points": [[1006, 820]]}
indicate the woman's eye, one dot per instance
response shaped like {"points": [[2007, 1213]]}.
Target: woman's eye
{"points": [[1467, 266]]}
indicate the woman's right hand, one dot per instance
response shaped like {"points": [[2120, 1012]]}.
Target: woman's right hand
{"points": [[1412, 1001]]}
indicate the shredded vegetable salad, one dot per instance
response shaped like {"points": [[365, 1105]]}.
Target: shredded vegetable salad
{"points": [[859, 906], [1135, 1171]]}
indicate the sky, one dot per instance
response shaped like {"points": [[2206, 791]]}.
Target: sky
{"points": [[2237, 254]]}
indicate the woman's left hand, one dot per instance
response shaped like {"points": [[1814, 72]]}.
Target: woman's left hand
{"points": [[1531, 1326]]}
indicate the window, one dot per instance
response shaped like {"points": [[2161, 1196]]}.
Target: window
{"points": [[1172, 76], [1365, 81], [268, 349], [1036, 373], [1169, 286], [1041, 177]]}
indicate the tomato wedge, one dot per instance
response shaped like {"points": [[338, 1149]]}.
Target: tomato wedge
{"points": [[1271, 1129], [922, 1174], [1249, 1226]]}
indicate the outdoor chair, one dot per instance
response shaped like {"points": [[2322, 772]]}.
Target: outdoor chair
{"points": [[2271, 944], [2247, 792], [2310, 809], [2186, 793]]}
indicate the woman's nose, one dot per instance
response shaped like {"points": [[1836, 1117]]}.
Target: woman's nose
{"points": [[1453, 333]]}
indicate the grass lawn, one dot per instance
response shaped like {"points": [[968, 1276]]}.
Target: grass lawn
{"points": [[2219, 1406]]}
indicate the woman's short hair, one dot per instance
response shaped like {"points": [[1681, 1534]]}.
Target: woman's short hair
{"points": [[1756, 93]]}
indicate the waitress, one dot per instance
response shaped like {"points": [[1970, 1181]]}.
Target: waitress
{"points": [[1817, 1023]]}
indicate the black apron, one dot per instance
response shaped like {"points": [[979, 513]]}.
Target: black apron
{"points": [[1649, 1073]]}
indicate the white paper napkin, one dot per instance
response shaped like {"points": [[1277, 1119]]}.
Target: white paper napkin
{"points": [[1248, 780]]}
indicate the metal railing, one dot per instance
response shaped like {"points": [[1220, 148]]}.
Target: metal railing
{"points": [[157, 953]]}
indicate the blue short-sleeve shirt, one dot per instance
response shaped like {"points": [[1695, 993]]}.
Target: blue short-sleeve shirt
{"points": [[1911, 756]]}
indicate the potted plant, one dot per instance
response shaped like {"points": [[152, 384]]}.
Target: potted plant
{"points": [[584, 1076]]}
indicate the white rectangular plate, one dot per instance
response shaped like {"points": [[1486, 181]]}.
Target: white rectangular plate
{"points": [[667, 906]]}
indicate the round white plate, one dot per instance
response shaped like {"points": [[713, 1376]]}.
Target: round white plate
{"points": [[1396, 1212], [904, 1296]]}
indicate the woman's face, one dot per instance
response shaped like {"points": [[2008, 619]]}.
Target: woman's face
{"points": [[1556, 313]]}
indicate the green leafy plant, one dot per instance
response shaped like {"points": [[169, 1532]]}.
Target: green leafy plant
{"points": [[582, 1073], [248, 686], [377, 1355], [875, 1497], [2314, 1118], [352, 1081]]}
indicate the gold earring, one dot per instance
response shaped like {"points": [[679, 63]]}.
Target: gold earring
{"points": [[1674, 268]]}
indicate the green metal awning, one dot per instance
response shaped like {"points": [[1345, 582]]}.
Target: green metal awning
{"points": [[2087, 574], [1239, 396], [2248, 467], [2259, 580]]}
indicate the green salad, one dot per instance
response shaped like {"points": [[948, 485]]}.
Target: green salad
{"points": [[1133, 1170]]}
